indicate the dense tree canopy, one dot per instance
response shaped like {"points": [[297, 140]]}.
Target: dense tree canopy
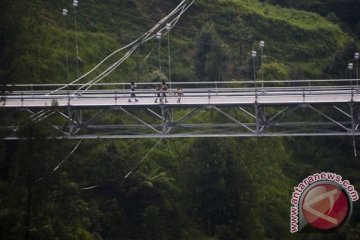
{"points": [[223, 188]]}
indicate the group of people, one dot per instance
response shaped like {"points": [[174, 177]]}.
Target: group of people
{"points": [[160, 94]]}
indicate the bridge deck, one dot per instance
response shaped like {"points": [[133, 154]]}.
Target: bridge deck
{"points": [[226, 109], [192, 97]]}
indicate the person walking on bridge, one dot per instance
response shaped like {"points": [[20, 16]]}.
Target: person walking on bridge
{"points": [[163, 90], [179, 93], [158, 93], [132, 89]]}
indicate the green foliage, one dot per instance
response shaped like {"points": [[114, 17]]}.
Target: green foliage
{"points": [[210, 58], [184, 189], [40, 192], [274, 71], [294, 36], [345, 10]]}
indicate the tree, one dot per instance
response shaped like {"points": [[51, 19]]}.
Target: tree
{"points": [[40, 203], [12, 32], [220, 193], [211, 56], [275, 71]]}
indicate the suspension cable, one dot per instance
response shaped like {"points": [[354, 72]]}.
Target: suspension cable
{"points": [[148, 37], [180, 9]]}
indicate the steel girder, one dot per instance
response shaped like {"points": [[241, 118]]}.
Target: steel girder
{"points": [[172, 121]]}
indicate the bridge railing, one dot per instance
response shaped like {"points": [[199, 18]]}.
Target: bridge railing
{"points": [[190, 89], [192, 92], [196, 84]]}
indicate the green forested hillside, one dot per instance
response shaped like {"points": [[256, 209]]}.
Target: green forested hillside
{"points": [[229, 188], [343, 12], [302, 44]]}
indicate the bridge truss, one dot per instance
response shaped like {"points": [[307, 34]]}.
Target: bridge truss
{"points": [[220, 109]]}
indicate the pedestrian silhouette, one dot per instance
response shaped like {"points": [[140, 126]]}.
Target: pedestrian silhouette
{"points": [[164, 90], [179, 93], [132, 89], [158, 93]]}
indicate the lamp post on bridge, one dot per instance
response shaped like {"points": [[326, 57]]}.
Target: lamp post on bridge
{"points": [[356, 57], [158, 37], [168, 28], [64, 13], [262, 44], [75, 4], [350, 68], [253, 55]]}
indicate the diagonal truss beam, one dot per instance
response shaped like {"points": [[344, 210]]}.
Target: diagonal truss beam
{"points": [[329, 118], [138, 119], [233, 119], [279, 121]]}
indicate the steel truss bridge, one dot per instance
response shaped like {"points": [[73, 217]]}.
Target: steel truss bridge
{"points": [[207, 109]]}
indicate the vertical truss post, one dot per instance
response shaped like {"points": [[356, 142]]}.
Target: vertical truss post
{"points": [[353, 126], [263, 118], [75, 121], [68, 97], [352, 118], [354, 110], [257, 116], [260, 118], [163, 119], [357, 115], [80, 117], [71, 122]]}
